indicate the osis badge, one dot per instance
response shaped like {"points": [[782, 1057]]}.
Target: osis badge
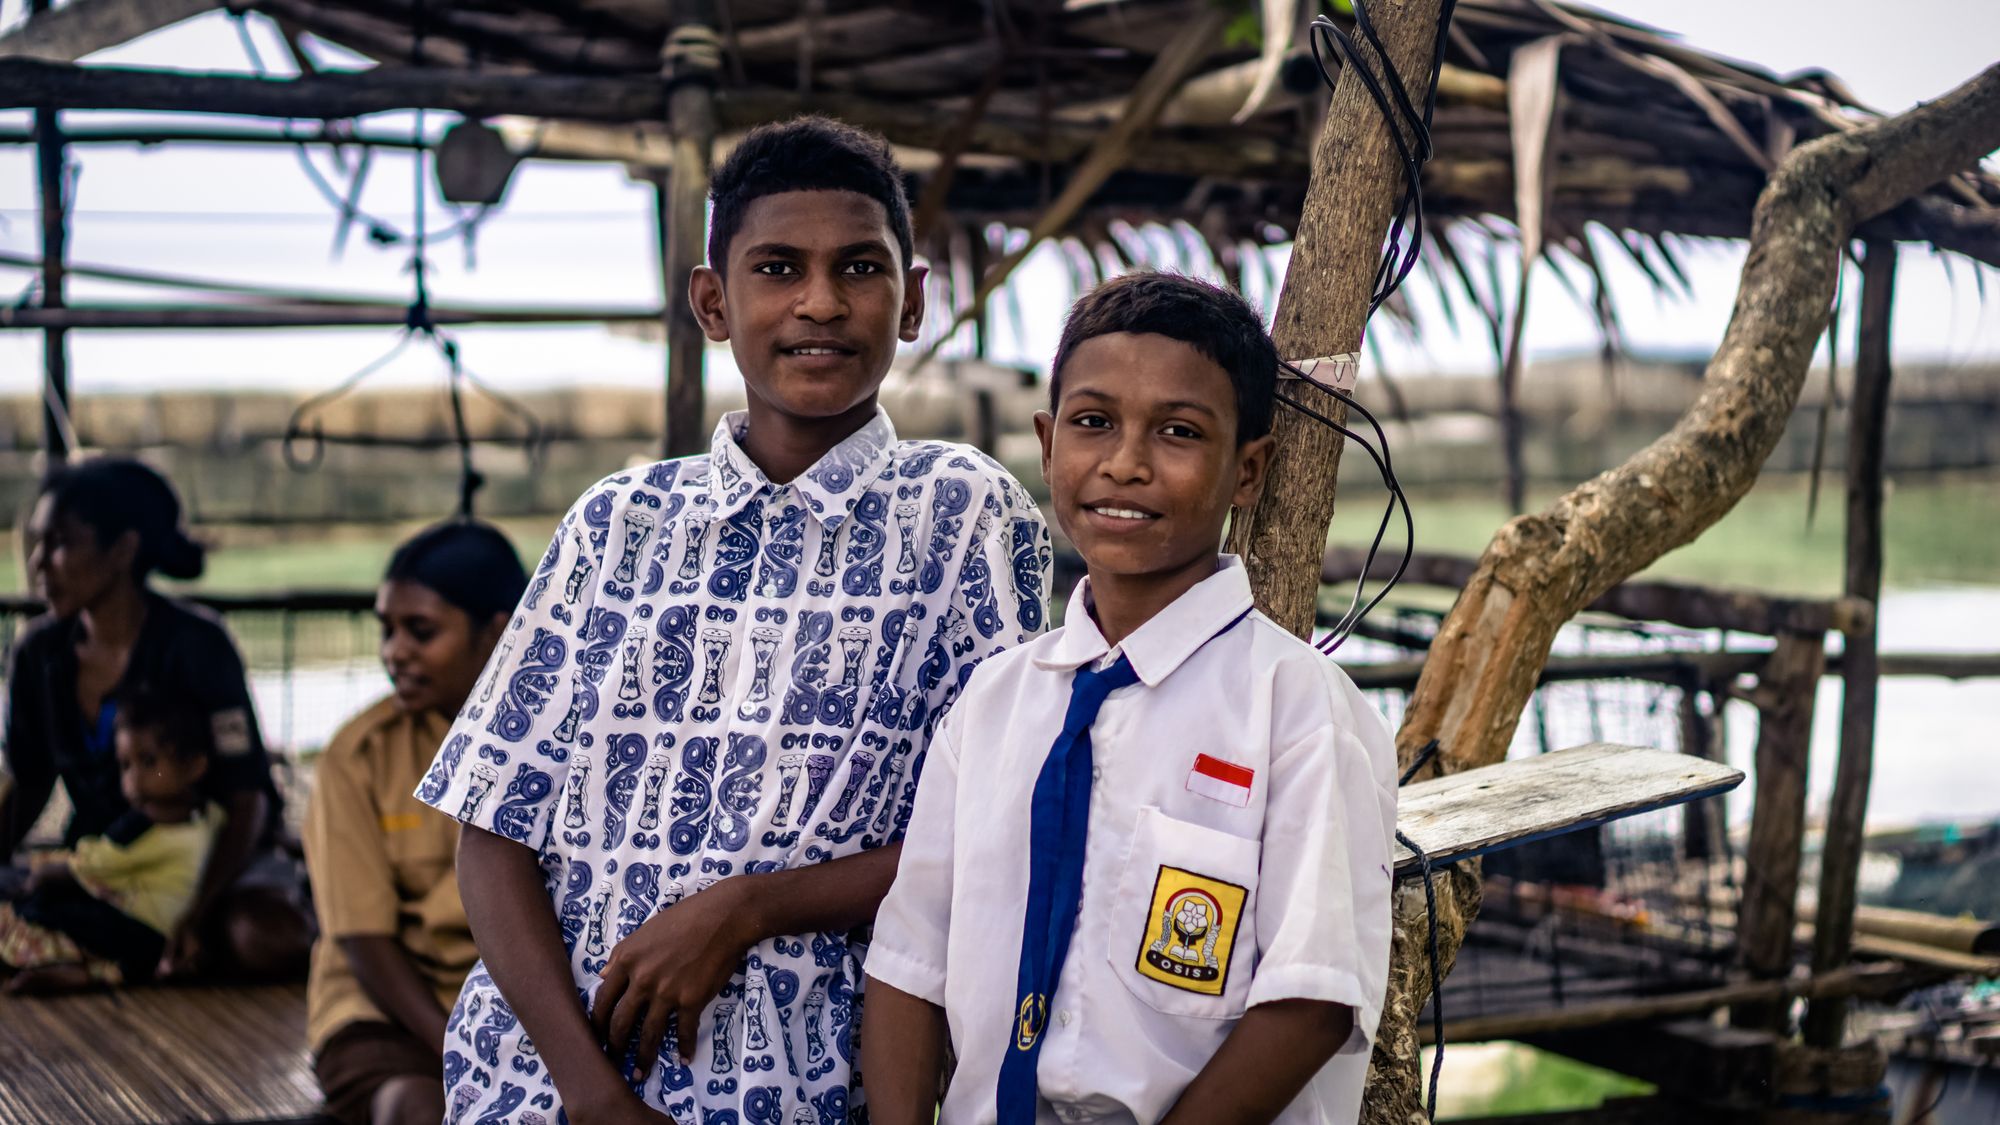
{"points": [[1191, 931]]}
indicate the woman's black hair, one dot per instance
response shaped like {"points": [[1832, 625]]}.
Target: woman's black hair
{"points": [[183, 728], [467, 563], [114, 495]]}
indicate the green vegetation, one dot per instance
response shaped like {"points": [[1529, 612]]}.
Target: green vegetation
{"points": [[1492, 1079], [1930, 524]]}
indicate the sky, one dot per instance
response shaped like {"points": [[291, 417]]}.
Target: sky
{"points": [[582, 234]]}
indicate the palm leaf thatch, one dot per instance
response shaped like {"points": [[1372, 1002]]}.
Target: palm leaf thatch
{"points": [[1095, 120]]}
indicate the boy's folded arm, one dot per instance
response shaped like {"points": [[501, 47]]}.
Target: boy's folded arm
{"points": [[515, 927], [902, 1054], [395, 985], [1273, 1051]]}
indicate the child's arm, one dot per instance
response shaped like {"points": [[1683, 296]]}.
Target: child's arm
{"points": [[1273, 1052], [514, 925], [679, 959], [902, 1055]]}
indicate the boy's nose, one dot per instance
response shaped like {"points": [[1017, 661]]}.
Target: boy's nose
{"points": [[1128, 462], [821, 301]]}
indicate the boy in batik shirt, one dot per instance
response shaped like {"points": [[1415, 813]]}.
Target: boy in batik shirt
{"points": [[686, 773]]}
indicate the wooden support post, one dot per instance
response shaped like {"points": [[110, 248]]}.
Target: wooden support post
{"points": [[55, 250], [1764, 921], [1840, 863], [689, 63], [1701, 825]]}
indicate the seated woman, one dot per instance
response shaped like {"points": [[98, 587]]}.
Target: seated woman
{"points": [[99, 530], [102, 910], [394, 944]]}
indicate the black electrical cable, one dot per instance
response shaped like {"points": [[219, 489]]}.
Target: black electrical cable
{"points": [[1413, 150]]}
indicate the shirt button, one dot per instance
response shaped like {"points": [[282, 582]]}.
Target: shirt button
{"points": [[1096, 773], [1063, 1017]]}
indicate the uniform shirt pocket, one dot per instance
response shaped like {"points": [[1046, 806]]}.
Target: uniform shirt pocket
{"points": [[1184, 937]]}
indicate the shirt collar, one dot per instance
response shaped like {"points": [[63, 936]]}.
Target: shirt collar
{"points": [[1164, 643], [829, 488]]}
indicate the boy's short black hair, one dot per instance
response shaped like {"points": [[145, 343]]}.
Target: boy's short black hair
{"points": [[184, 731], [1208, 318], [811, 153]]}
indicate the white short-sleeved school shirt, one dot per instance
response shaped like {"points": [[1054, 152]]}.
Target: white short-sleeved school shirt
{"points": [[712, 674], [1241, 816]]}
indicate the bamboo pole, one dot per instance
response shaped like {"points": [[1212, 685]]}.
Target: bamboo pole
{"points": [[1840, 863], [1769, 910]]}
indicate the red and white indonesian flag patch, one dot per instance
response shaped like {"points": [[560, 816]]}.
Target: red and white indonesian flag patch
{"points": [[1221, 781]]}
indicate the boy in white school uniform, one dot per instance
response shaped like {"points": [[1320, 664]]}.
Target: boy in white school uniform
{"points": [[1147, 875]]}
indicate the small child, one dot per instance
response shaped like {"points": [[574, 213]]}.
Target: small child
{"points": [[1147, 875], [101, 912]]}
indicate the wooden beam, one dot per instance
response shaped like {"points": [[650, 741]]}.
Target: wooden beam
{"points": [[1673, 668], [83, 27], [1860, 980], [278, 315], [53, 193], [690, 61], [1676, 603], [1786, 688], [1840, 856]]}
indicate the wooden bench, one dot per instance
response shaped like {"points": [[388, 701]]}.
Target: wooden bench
{"points": [[1517, 802], [168, 1054], [238, 1054]]}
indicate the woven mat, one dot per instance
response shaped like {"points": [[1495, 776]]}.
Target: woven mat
{"points": [[162, 1055]]}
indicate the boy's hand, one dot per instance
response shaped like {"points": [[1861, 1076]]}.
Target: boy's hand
{"points": [[671, 967]]}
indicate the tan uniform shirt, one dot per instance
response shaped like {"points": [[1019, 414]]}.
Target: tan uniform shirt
{"points": [[382, 864]]}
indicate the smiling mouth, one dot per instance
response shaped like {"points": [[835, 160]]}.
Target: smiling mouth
{"points": [[1117, 513], [818, 351]]}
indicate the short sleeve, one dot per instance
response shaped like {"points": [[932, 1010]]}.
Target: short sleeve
{"points": [[213, 675], [509, 749], [913, 922], [353, 884], [1323, 897]]}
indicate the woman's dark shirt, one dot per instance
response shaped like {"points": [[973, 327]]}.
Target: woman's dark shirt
{"points": [[182, 654]]}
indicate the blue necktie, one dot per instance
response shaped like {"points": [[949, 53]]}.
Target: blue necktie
{"points": [[1058, 828]]}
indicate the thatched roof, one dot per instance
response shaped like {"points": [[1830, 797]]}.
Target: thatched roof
{"points": [[1650, 136], [1003, 100]]}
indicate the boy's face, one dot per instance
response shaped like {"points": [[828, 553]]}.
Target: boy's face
{"points": [[812, 300], [1141, 456], [148, 772]]}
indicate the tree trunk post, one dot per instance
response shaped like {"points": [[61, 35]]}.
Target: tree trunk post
{"points": [[1846, 820], [1768, 913], [55, 250], [689, 64], [1322, 308]]}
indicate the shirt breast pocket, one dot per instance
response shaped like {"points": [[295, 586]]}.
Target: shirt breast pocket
{"points": [[1184, 931]]}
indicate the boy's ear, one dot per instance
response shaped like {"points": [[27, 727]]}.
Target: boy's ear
{"points": [[1253, 460], [912, 321], [706, 297], [1045, 428]]}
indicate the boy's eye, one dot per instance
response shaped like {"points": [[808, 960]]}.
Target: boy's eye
{"points": [[862, 268], [1180, 430], [774, 269], [1091, 421]]}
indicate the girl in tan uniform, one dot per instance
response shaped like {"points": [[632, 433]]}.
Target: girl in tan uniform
{"points": [[394, 946]]}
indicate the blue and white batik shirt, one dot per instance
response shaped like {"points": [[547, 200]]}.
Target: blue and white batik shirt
{"points": [[712, 674]]}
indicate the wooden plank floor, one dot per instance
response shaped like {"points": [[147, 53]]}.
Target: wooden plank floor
{"points": [[157, 1055]]}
